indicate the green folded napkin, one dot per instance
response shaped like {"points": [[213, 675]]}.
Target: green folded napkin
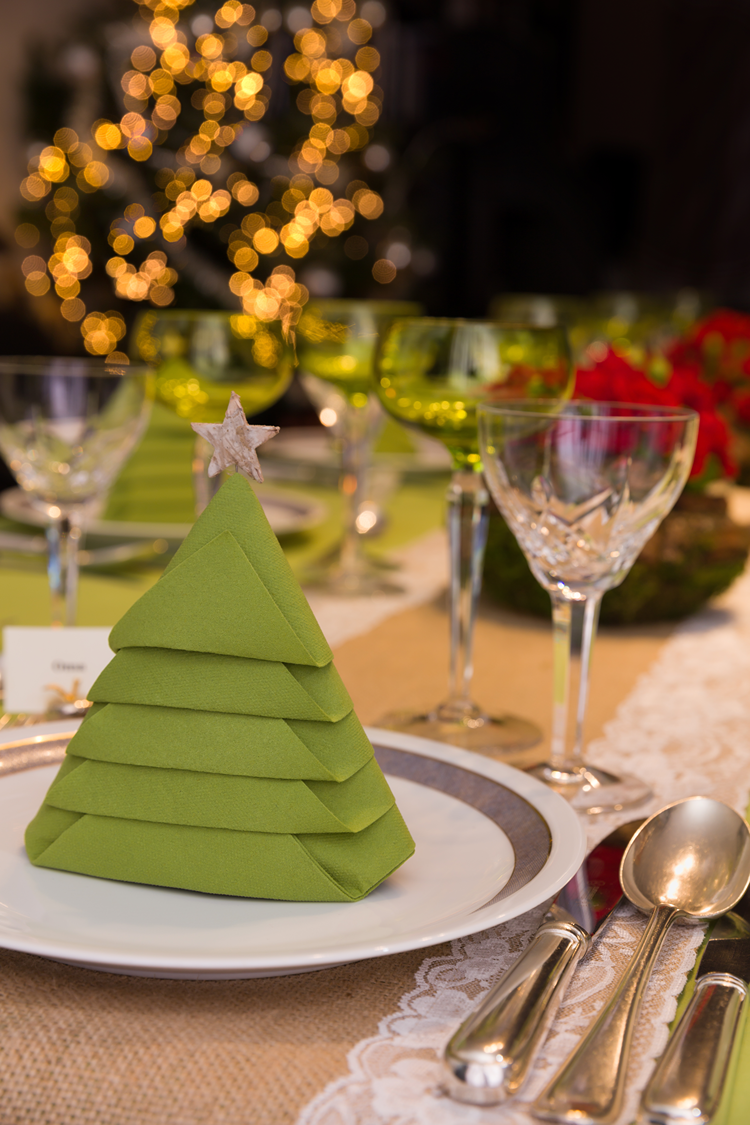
{"points": [[211, 742], [315, 868], [248, 804], [207, 682], [214, 600], [235, 508], [222, 753]]}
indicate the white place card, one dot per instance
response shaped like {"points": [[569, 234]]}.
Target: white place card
{"points": [[42, 666]]}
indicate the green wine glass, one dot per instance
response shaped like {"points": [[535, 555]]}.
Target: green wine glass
{"points": [[200, 357], [336, 342], [432, 374]]}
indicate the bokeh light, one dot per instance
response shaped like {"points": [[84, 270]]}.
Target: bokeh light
{"points": [[219, 63]]}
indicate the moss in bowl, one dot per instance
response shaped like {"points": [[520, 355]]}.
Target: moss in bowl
{"points": [[696, 553]]}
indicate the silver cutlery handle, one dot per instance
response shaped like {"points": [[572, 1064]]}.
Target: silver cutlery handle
{"points": [[688, 1081], [489, 1057], [589, 1088]]}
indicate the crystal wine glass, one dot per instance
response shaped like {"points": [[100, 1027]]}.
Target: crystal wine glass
{"points": [[583, 486], [432, 374], [336, 341], [67, 427], [201, 357]]}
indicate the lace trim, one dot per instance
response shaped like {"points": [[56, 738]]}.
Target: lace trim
{"points": [[686, 730]]}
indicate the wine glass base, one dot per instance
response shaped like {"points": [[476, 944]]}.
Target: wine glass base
{"points": [[367, 576], [345, 585], [492, 736], [593, 790]]}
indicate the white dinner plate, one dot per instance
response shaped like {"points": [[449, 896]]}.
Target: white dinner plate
{"points": [[287, 513], [491, 843]]}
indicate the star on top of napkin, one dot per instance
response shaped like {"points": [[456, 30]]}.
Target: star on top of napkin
{"points": [[235, 441]]}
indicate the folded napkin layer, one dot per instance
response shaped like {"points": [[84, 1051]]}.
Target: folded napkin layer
{"points": [[189, 609], [205, 682], [222, 753], [236, 508], [307, 868], [212, 742], [246, 804]]}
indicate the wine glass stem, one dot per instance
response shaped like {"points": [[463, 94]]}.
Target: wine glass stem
{"points": [[574, 623], [467, 500], [204, 486], [357, 432], [63, 536]]}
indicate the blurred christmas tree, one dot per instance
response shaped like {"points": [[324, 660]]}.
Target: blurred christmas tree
{"points": [[204, 157]]}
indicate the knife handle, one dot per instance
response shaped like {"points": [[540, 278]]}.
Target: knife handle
{"points": [[687, 1084], [490, 1055]]}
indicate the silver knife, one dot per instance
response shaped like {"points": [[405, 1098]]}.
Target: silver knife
{"points": [[491, 1054], [690, 1077]]}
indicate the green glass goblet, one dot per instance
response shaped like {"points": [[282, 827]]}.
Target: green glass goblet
{"points": [[336, 342], [432, 374], [200, 357]]}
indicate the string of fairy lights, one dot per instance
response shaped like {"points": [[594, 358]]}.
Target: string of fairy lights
{"points": [[221, 61]]}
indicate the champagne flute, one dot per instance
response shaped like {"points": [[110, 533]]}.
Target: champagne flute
{"points": [[200, 357], [583, 486], [432, 374], [336, 342], [67, 427]]}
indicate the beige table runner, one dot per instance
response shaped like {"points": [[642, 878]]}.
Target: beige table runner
{"points": [[79, 1047]]}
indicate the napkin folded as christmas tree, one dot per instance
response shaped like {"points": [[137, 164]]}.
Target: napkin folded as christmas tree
{"points": [[222, 753]]}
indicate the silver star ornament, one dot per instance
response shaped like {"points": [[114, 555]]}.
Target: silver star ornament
{"points": [[235, 441]]}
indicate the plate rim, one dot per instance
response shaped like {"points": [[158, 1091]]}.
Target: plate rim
{"points": [[315, 514], [417, 461], [567, 851]]}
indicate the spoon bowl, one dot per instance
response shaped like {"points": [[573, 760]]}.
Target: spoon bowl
{"points": [[693, 855]]}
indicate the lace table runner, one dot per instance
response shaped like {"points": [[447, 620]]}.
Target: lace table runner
{"points": [[685, 728]]}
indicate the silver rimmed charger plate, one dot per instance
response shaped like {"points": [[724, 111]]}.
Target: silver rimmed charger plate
{"points": [[287, 512], [491, 843]]}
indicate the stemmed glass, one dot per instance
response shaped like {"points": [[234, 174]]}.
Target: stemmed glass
{"points": [[432, 374], [66, 428], [583, 486], [336, 342], [201, 356]]}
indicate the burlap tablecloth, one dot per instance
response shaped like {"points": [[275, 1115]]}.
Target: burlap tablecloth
{"points": [[78, 1046]]}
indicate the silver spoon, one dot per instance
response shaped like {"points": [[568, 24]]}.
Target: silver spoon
{"points": [[689, 862]]}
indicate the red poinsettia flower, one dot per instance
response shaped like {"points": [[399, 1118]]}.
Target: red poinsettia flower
{"points": [[613, 379], [720, 344], [724, 324]]}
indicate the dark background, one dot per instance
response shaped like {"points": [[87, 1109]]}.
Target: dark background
{"points": [[539, 146], [568, 147]]}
